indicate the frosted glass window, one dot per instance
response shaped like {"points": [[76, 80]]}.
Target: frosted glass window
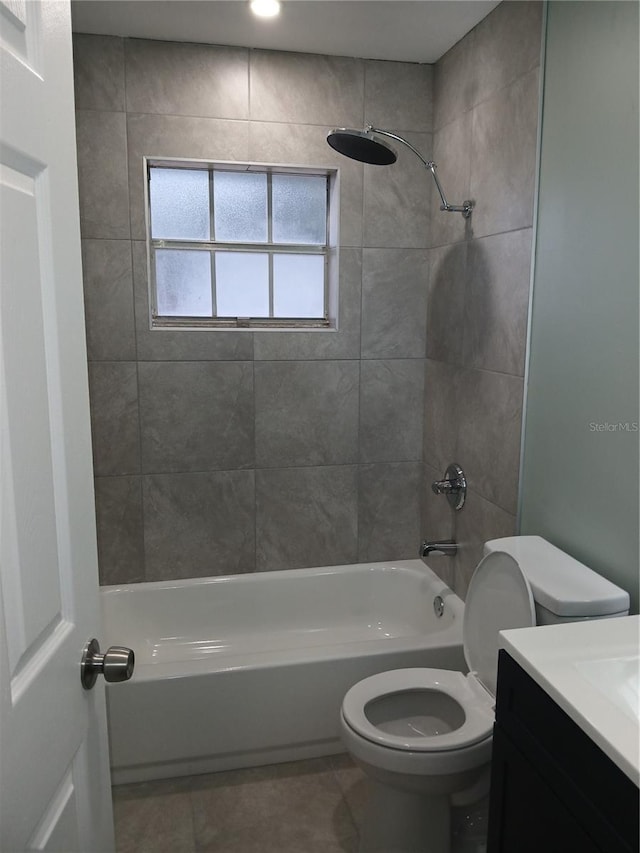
{"points": [[179, 200], [245, 246], [298, 286], [240, 207], [242, 284], [183, 283], [299, 209]]}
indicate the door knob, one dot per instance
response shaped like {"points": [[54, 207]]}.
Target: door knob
{"points": [[116, 664]]}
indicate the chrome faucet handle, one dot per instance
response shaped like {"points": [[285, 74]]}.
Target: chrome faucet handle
{"points": [[443, 487], [454, 486]]}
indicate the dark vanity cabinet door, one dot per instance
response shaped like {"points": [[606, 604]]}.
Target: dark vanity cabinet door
{"points": [[553, 790]]}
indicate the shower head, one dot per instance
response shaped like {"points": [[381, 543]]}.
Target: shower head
{"points": [[368, 146], [362, 145]]}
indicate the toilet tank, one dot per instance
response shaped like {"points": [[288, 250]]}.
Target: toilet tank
{"points": [[564, 590]]}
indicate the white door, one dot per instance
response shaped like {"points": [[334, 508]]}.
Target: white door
{"points": [[54, 774]]}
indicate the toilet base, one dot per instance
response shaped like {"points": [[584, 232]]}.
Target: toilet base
{"points": [[401, 822]]}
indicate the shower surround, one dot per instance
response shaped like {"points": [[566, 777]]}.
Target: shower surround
{"points": [[252, 451], [485, 120]]}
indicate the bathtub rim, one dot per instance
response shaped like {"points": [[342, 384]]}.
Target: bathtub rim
{"points": [[415, 565]]}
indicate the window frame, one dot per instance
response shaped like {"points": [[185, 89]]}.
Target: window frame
{"points": [[328, 251]]}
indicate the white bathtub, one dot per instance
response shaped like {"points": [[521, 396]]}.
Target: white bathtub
{"points": [[251, 669]]}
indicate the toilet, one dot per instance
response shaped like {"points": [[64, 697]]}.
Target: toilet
{"points": [[423, 736]]}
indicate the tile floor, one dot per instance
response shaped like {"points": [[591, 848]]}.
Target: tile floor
{"points": [[313, 806], [302, 807]]}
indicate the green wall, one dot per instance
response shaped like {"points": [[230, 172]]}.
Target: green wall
{"points": [[579, 483]]}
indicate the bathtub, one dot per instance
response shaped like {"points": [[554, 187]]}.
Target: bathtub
{"points": [[246, 670]]}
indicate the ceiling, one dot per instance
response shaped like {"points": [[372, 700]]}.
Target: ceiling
{"points": [[414, 31]]}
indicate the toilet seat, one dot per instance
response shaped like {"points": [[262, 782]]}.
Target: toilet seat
{"points": [[476, 703]]}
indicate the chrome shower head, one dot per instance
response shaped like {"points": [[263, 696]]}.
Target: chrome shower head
{"points": [[368, 146]]}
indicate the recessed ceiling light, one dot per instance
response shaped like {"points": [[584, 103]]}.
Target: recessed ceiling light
{"points": [[265, 8]]}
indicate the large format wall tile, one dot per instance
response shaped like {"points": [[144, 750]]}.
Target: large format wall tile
{"points": [[113, 387], [306, 145], [196, 525], [108, 300], [177, 136], [98, 72], [396, 199], [306, 413], [394, 303], [391, 405], [102, 174], [389, 511], [441, 420], [496, 303], [472, 417], [454, 83], [398, 96], [506, 45], [503, 158], [489, 412], [446, 302], [172, 345], [306, 517], [196, 416], [286, 87], [340, 343], [119, 527], [187, 79]]}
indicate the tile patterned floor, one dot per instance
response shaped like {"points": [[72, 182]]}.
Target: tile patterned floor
{"points": [[303, 807]]}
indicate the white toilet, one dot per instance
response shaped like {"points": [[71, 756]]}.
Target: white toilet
{"points": [[423, 735]]}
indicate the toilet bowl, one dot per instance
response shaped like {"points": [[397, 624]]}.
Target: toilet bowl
{"points": [[422, 724], [424, 736]]}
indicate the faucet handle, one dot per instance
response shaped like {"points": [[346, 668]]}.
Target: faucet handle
{"points": [[454, 486], [444, 487]]}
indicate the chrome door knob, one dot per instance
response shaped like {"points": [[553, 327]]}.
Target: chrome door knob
{"points": [[116, 664]]}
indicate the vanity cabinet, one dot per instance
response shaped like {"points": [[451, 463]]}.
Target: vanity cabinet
{"points": [[553, 790]]}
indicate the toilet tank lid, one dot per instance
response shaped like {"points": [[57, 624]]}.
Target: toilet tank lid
{"points": [[560, 583]]}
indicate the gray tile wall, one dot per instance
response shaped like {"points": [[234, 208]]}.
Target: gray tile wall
{"points": [[220, 452], [485, 133]]}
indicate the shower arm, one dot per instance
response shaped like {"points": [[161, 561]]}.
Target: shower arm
{"points": [[465, 208]]}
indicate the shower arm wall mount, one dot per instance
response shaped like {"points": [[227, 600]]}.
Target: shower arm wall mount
{"points": [[465, 208]]}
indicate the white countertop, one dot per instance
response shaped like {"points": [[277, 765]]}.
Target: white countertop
{"points": [[592, 670]]}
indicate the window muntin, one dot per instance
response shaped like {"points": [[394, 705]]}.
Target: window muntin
{"points": [[234, 245]]}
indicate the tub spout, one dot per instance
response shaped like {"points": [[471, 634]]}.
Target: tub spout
{"points": [[447, 547]]}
